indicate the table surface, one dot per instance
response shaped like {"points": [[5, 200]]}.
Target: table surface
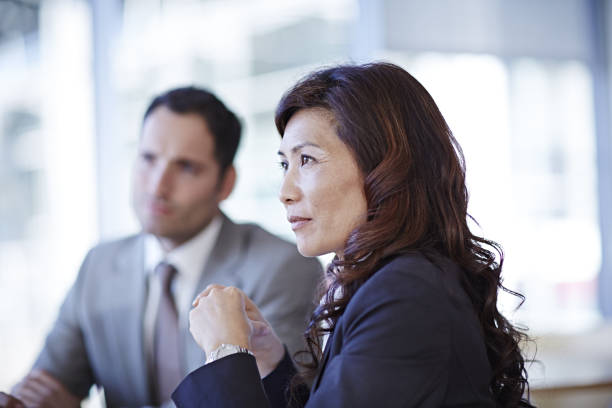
{"points": [[581, 360]]}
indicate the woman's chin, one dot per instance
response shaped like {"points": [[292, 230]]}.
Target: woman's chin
{"points": [[310, 251], [306, 252]]}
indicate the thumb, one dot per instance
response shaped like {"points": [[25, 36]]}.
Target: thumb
{"points": [[252, 311], [260, 328]]}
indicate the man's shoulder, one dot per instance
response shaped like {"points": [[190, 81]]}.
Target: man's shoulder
{"points": [[258, 236], [260, 245], [110, 248]]}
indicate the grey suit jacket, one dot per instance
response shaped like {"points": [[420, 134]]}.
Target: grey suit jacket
{"points": [[98, 335]]}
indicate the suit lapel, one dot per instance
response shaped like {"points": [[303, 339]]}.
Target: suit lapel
{"points": [[334, 336], [221, 268], [227, 253], [129, 286], [326, 353]]}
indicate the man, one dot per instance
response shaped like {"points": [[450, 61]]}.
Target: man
{"points": [[124, 323]]}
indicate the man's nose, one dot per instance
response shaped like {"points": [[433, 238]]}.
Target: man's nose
{"points": [[161, 182]]}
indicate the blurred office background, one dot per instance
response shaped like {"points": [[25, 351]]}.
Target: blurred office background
{"points": [[524, 85]]}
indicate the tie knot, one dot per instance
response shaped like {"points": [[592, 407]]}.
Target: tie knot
{"points": [[166, 273]]}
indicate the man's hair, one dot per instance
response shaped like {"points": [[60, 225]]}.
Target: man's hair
{"points": [[223, 123]]}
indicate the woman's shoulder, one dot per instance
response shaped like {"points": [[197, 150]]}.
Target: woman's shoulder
{"points": [[431, 270], [413, 278], [404, 299]]}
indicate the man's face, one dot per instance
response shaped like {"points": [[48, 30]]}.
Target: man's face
{"points": [[177, 183]]}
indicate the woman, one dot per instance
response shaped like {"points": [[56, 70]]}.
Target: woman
{"points": [[373, 174]]}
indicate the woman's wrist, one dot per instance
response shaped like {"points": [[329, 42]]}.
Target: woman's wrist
{"points": [[226, 349], [238, 340]]}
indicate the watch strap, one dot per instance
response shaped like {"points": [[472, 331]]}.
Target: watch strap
{"points": [[226, 350]]}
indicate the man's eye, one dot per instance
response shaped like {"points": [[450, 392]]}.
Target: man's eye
{"points": [[147, 157], [187, 166]]}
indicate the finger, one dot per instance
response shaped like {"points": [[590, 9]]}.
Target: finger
{"points": [[206, 292], [229, 298], [33, 392], [200, 295], [248, 303], [7, 400], [45, 383], [53, 393], [241, 295], [30, 395], [44, 391], [43, 377], [252, 310], [211, 287]]}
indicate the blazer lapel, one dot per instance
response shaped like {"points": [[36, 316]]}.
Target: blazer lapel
{"points": [[220, 268], [127, 334], [334, 337], [326, 353]]}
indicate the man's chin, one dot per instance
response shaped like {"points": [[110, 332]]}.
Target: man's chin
{"points": [[156, 229], [167, 240]]}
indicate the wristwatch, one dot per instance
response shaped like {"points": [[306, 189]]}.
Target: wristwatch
{"points": [[225, 350]]}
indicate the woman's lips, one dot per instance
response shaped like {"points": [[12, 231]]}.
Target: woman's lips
{"points": [[298, 222]]}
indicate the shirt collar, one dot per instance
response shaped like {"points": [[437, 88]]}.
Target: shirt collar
{"points": [[190, 257]]}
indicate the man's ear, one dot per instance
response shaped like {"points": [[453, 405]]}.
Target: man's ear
{"points": [[227, 183]]}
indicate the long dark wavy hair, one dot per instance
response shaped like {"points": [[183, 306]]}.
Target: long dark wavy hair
{"points": [[414, 182]]}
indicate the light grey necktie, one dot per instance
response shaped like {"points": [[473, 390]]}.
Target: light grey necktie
{"points": [[167, 363]]}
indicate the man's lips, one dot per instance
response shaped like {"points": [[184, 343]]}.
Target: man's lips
{"points": [[159, 208], [298, 222]]}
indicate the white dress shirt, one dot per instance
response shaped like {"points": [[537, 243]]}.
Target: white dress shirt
{"points": [[189, 260]]}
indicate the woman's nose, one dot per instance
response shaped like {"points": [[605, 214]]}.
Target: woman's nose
{"points": [[289, 191]]}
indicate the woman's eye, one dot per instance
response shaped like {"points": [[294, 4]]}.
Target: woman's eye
{"points": [[305, 159]]}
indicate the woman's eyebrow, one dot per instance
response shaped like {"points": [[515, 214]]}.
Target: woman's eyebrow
{"points": [[300, 147]]}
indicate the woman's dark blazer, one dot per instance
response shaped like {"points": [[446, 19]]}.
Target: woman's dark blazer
{"points": [[409, 337]]}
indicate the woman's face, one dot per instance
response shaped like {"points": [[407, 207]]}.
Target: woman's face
{"points": [[322, 187]]}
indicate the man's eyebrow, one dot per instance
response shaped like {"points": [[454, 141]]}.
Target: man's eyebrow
{"points": [[192, 160], [299, 147]]}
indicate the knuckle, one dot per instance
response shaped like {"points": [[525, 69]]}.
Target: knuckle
{"points": [[213, 286]]}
